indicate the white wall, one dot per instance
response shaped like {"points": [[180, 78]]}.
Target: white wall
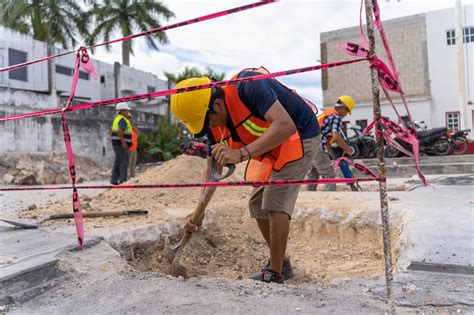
{"points": [[34, 49], [86, 90], [443, 65]]}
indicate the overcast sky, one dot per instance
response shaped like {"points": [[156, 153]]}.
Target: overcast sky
{"points": [[279, 36]]}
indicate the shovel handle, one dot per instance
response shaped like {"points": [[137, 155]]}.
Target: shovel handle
{"points": [[215, 176], [96, 214]]}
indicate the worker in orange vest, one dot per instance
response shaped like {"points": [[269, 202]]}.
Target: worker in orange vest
{"points": [[333, 143], [270, 127]]}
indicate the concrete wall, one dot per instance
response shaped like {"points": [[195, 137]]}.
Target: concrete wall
{"points": [[443, 65], [89, 132]]}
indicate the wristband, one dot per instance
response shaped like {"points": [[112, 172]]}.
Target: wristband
{"points": [[248, 152]]}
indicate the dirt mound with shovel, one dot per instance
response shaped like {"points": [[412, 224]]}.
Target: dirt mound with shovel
{"points": [[333, 234]]}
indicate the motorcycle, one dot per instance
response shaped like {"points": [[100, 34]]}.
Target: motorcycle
{"points": [[362, 146], [195, 148], [431, 142], [458, 139]]}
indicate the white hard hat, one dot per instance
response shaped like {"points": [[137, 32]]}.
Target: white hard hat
{"points": [[122, 106]]}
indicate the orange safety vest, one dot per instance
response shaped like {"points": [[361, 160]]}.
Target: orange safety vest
{"points": [[322, 116], [134, 141], [249, 128]]}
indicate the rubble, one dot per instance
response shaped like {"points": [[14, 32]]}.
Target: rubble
{"points": [[45, 169]]}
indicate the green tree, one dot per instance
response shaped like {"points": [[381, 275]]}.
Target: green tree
{"points": [[193, 72], [51, 21], [163, 143], [128, 17]]}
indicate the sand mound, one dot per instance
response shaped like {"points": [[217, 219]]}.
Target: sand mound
{"points": [[333, 234]]}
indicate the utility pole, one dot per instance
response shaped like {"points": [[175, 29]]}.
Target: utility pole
{"points": [[460, 62]]}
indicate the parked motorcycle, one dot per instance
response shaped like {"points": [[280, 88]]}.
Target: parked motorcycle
{"points": [[362, 146], [458, 140], [431, 142], [195, 148]]}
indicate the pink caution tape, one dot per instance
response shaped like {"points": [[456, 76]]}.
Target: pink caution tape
{"points": [[181, 90], [389, 81], [82, 60], [147, 33], [203, 184], [391, 128], [361, 168]]}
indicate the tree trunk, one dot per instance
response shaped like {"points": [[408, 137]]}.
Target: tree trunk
{"points": [[126, 52], [52, 75]]}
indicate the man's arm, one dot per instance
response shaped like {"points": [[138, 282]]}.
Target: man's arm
{"points": [[281, 128], [122, 138], [341, 143]]}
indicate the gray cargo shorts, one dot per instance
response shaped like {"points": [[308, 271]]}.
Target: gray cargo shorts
{"points": [[282, 198]]}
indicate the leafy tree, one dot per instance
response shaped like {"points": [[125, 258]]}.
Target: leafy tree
{"points": [[164, 143], [51, 21], [193, 72], [128, 17]]}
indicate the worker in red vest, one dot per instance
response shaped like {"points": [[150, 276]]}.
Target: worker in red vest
{"points": [[270, 127], [132, 164]]}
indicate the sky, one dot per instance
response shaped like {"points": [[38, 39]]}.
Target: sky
{"points": [[280, 36]]}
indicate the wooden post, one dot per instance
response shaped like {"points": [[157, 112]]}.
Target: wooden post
{"points": [[387, 248]]}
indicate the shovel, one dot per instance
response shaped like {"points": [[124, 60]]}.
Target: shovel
{"points": [[36, 224], [173, 254]]}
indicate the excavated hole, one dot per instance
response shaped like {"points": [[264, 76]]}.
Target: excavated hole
{"points": [[324, 245]]}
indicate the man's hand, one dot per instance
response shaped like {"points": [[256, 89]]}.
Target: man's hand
{"points": [[189, 226], [125, 145], [225, 155]]}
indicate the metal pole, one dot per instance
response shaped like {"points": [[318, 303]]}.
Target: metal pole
{"points": [[381, 163], [460, 62]]}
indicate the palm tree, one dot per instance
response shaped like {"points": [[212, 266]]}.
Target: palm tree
{"points": [[128, 16], [51, 21], [193, 72]]}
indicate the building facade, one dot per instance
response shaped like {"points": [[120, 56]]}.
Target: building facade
{"points": [[28, 89], [425, 55]]}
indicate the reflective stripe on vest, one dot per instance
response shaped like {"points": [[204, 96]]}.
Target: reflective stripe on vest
{"points": [[249, 128], [127, 133]]}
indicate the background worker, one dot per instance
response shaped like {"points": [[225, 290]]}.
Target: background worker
{"points": [[121, 141], [333, 143], [133, 149], [247, 122]]}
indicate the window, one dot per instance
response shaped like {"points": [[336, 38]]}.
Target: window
{"points": [[468, 36], [83, 75], [63, 70], [102, 79], [362, 123], [15, 57], [70, 72], [151, 89], [453, 120], [451, 38]]}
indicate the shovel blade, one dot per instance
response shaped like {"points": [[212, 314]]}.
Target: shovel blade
{"points": [[22, 224]]}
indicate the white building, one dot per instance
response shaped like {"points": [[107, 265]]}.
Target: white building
{"points": [[425, 54], [27, 89]]}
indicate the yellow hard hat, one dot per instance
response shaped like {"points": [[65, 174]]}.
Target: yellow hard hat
{"points": [[347, 101], [191, 107]]}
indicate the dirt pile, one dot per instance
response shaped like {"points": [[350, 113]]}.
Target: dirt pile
{"points": [[333, 234], [44, 169]]}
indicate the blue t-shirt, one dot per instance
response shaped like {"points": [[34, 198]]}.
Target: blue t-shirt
{"points": [[122, 124], [260, 95]]}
